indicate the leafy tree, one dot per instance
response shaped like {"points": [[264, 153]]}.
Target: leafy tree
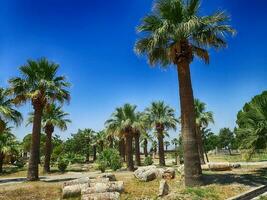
{"points": [[226, 139], [80, 143], [8, 144], [7, 111], [162, 118], [203, 118], [122, 124], [40, 85], [53, 117], [175, 33], [26, 143], [252, 124], [211, 141]]}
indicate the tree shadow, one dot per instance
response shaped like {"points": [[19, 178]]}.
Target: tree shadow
{"points": [[256, 178]]}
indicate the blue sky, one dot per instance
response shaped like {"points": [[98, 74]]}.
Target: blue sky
{"points": [[93, 41]]}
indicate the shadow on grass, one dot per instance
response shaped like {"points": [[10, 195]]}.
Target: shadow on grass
{"points": [[11, 170], [253, 179]]}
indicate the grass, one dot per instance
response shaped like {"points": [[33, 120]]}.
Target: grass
{"points": [[238, 158]]}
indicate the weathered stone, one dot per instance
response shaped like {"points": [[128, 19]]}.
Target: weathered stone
{"points": [[102, 196], [236, 165], [220, 166], [169, 173], [146, 174], [77, 181], [73, 190], [163, 188], [110, 176], [104, 187]]}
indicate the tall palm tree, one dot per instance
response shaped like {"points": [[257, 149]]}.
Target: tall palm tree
{"points": [[162, 118], [40, 85], [8, 143], [175, 142], [145, 138], [123, 124], [53, 117], [203, 118], [175, 33], [7, 111]]}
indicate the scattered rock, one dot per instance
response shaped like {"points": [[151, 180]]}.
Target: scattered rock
{"points": [[77, 181], [220, 166], [102, 196], [116, 186], [163, 188], [146, 174], [110, 176], [169, 173], [236, 165], [73, 190]]}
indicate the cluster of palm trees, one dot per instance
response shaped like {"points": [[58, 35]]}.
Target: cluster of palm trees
{"points": [[40, 85], [127, 124]]}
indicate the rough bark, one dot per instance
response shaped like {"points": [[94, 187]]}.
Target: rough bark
{"points": [[191, 157], [137, 149], [122, 149], [161, 146], [2, 156], [49, 129], [94, 153], [129, 151], [35, 142], [200, 145], [145, 148]]}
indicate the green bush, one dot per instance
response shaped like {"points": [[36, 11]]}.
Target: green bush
{"points": [[148, 161], [101, 165], [62, 164], [110, 158]]}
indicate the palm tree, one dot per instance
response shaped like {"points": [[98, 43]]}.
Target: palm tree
{"points": [[162, 118], [154, 147], [122, 124], [167, 144], [53, 117], [175, 33], [145, 137], [7, 112], [8, 143], [175, 142], [40, 85], [203, 118]]}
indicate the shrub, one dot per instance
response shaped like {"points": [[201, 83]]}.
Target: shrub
{"points": [[62, 164], [148, 161], [110, 158], [101, 165]]}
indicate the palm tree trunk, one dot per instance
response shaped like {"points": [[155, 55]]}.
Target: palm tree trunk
{"points": [[33, 171], [137, 149], [49, 129], [129, 151], [200, 145], [145, 147], [94, 153], [188, 122], [122, 149], [161, 147], [2, 156]]}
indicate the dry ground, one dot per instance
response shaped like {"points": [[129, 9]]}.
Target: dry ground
{"points": [[218, 186]]}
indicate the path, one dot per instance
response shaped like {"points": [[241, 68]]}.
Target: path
{"points": [[51, 178]]}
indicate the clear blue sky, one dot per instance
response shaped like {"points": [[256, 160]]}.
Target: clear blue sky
{"points": [[93, 40]]}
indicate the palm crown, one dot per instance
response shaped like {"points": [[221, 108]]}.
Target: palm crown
{"points": [[39, 82], [203, 117], [124, 119], [7, 112], [159, 114], [174, 22], [53, 115]]}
